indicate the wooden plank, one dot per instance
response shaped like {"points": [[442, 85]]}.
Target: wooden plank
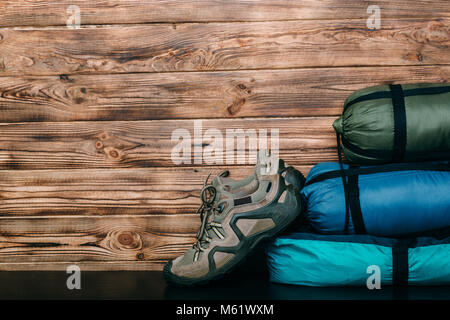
{"points": [[73, 239], [193, 95], [223, 46], [85, 266], [54, 12], [125, 144], [107, 192]]}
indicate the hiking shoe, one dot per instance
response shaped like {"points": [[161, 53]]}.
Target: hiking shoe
{"points": [[236, 216]]}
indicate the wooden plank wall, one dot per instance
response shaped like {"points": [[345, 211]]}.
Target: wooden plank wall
{"points": [[86, 115]]}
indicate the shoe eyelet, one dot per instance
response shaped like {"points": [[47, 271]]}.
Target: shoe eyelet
{"points": [[221, 207]]}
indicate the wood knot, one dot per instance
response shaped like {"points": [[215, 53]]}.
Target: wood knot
{"points": [[64, 77], [79, 100], [83, 90], [244, 88], [235, 107], [140, 256], [419, 57], [414, 56], [113, 153], [103, 136], [99, 145], [119, 240], [125, 239]]}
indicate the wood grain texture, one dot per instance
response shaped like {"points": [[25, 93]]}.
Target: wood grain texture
{"points": [[87, 265], [87, 239], [223, 46], [193, 95], [107, 192], [125, 242], [124, 144], [54, 12], [87, 115]]}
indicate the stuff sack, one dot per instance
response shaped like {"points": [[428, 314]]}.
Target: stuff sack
{"points": [[394, 200], [323, 260], [396, 123]]}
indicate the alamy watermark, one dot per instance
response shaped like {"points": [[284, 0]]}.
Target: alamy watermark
{"points": [[374, 280], [374, 20], [74, 280], [74, 20], [214, 146]]}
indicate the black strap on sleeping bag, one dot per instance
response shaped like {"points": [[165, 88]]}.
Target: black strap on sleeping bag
{"points": [[400, 264], [398, 103], [351, 194], [344, 183], [355, 205]]}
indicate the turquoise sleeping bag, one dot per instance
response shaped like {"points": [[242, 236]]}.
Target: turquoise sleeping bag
{"points": [[400, 200], [334, 260]]}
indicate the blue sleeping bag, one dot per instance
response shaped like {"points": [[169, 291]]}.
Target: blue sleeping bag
{"points": [[334, 260], [393, 200]]}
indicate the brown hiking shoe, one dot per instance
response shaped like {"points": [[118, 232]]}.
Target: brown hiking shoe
{"points": [[237, 215]]}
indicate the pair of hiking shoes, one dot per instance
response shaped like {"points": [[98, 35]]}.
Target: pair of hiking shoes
{"points": [[235, 217]]}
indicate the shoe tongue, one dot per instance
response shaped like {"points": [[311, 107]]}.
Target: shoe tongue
{"points": [[220, 184]]}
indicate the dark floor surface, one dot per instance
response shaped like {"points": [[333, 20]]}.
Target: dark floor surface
{"points": [[151, 285], [248, 282]]}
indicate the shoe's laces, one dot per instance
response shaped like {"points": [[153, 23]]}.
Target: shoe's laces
{"points": [[208, 207]]}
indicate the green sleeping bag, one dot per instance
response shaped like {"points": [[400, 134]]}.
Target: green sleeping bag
{"points": [[396, 123]]}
